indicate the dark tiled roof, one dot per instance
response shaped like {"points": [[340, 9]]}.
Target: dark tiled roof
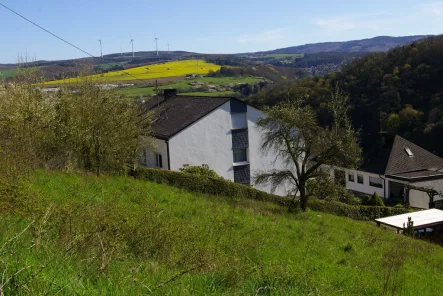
{"points": [[392, 159], [401, 162], [178, 112]]}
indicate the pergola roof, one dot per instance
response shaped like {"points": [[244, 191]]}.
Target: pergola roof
{"points": [[421, 219]]}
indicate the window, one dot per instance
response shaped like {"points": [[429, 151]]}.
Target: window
{"points": [[238, 120], [240, 155], [409, 152], [351, 177], [376, 182], [359, 179], [158, 160]]}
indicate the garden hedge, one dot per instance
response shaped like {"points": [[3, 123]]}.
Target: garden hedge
{"points": [[221, 187]]}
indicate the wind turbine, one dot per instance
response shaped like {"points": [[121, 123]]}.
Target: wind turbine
{"points": [[132, 42], [121, 49], [101, 49], [168, 48], [156, 44]]}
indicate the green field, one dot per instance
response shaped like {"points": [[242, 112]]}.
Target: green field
{"points": [[7, 73], [152, 71], [184, 86], [74, 234]]}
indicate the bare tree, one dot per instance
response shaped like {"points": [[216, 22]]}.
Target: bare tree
{"points": [[292, 132]]}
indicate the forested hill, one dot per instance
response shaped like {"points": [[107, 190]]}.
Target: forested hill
{"points": [[399, 91], [376, 44]]}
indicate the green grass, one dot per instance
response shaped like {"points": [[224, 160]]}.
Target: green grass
{"points": [[184, 86], [120, 236], [7, 73]]}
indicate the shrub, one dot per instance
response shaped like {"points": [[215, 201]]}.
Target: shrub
{"points": [[322, 187], [373, 200], [357, 212], [202, 170], [221, 187], [207, 185]]}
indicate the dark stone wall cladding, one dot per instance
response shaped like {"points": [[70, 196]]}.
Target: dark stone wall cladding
{"points": [[240, 138], [242, 174]]}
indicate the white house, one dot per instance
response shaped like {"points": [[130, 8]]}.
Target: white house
{"points": [[218, 131], [399, 171]]}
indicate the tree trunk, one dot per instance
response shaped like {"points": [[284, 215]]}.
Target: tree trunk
{"points": [[303, 197]]}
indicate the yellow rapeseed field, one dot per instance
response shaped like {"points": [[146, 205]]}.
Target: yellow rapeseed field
{"points": [[169, 69]]}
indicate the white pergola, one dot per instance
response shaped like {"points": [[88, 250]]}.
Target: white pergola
{"points": [[421, 219]]}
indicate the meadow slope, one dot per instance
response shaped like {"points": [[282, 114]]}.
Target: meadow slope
{"points": [[80, 234]]}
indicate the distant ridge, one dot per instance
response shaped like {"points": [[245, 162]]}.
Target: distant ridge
{"points": [[376, 44]]}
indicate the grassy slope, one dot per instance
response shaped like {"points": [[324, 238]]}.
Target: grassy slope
{"points": [[222, 246]]}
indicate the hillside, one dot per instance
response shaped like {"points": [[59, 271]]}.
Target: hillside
{"points": [[315, 59], [376, 44], [149, 72], [77, 234], [399, 91]]}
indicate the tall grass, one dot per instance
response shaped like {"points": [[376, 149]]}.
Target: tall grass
{"points": [[79, 234]]}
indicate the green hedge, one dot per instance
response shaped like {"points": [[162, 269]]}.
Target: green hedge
{"points": [[213, 186], [356, 212], [202, 184]]}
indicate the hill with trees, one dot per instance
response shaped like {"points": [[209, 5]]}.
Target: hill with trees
{"points": [[376, 44], [399, 91]]}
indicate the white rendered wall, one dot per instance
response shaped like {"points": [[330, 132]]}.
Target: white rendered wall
{"points": [[418, 199], [365, 187], [159, 148], [207, 141], [261, 161]]}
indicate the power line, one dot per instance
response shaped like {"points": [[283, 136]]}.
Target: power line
{"points": [[65, 41]]}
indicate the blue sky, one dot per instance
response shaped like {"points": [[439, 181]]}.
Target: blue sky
{"points": [[204, 26]]}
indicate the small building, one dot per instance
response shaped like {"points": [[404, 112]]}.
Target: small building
{"points": [[399, 171], [220, 132]]}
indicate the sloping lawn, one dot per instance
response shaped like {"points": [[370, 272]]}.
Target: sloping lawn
{"points": [[120, 236]]}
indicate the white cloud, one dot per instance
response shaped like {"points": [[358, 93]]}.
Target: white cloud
{"points": [[273, 35]]}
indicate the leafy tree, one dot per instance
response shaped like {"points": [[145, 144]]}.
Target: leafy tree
{"points": [[291, 131], [27, 118], [100, 131], [82, 126], [393, 123]]}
